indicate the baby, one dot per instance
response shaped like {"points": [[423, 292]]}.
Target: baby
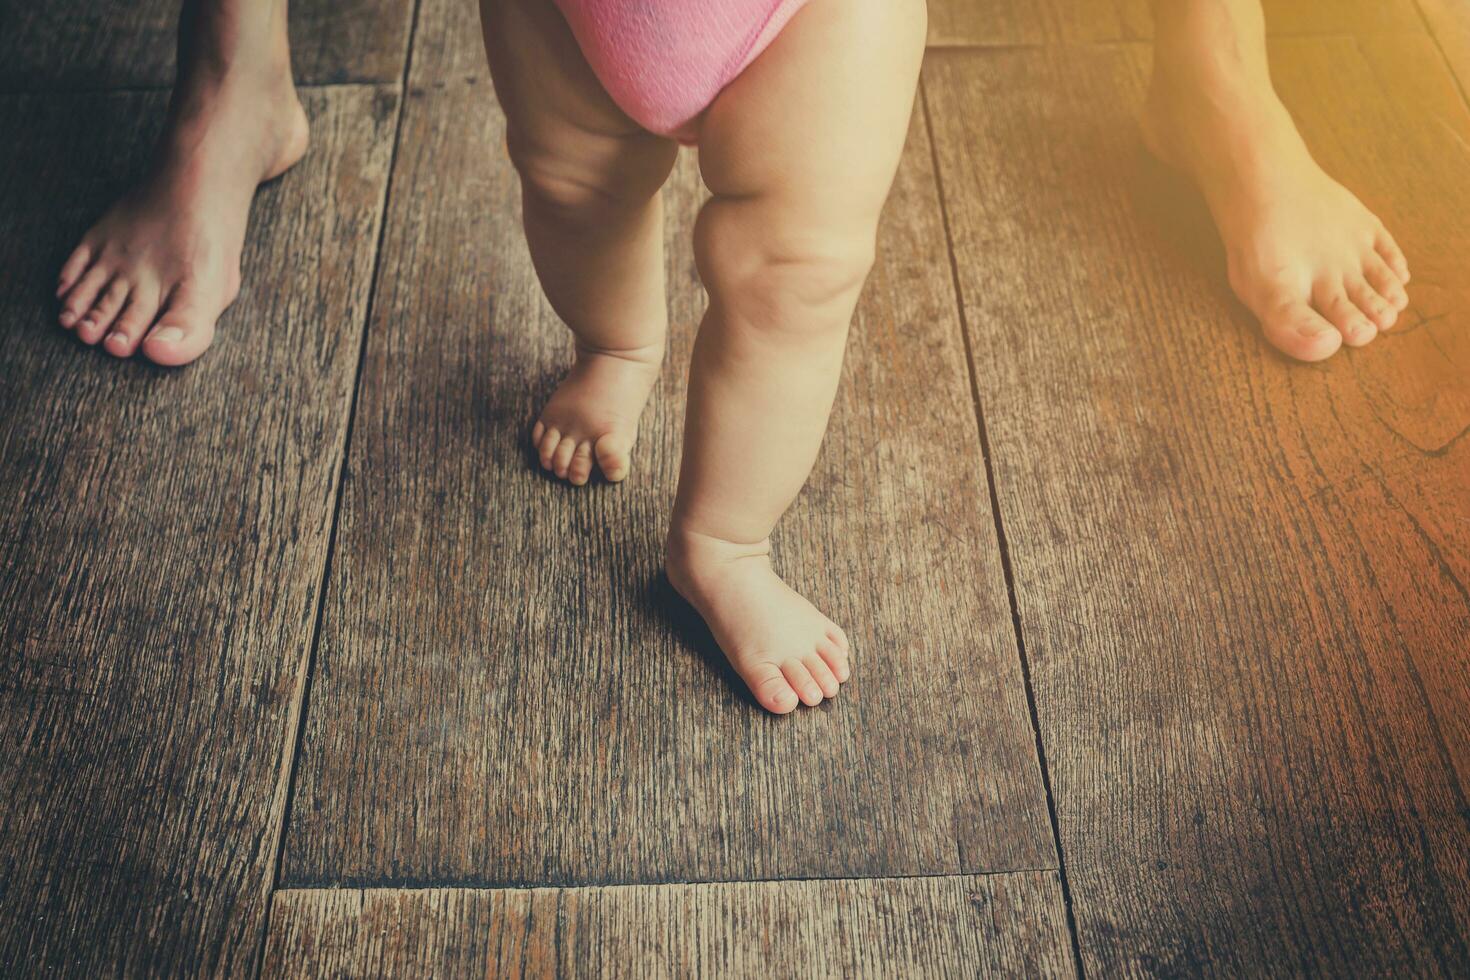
{"points": [[799, 109]]}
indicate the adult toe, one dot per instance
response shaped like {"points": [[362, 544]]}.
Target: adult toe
{"points": [[133, 322], [182, 333], [1332, 300], [1389, 251], [95, 322], [83, 296], [1299, 331], [72, 269], [1385, 281], [1374, 307]]}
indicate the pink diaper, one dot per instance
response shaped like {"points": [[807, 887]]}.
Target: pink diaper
{"points": [[664, 61]]}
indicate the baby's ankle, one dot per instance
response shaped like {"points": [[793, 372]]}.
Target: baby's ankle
{"points": [[696, 561], [647, 354]]}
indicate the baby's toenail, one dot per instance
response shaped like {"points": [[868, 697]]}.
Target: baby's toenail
{"points": [[122, 338], [169, 334]]}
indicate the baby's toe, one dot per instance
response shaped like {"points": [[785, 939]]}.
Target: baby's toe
{"points": [[770, 688], [561, 459], [836, 659], [579, 471], [822, 674], [550, 439], [801, 682], [612, 452]]}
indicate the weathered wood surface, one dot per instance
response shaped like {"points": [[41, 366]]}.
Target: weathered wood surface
{"points": [[508, 692], [79, 44], [1015, 22], [992, 925], [1242, 582], [447, 43], [163, 535]]}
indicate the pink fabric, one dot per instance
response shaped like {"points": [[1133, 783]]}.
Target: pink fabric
{"points": [[664, 61]]}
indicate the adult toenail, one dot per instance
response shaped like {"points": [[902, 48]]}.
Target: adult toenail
{"points": [[169, 334]]}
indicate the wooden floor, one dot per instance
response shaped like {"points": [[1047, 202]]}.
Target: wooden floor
{"points": [[1163, 643]]}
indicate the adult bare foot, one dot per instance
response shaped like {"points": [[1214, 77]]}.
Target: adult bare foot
{"points": [[161, 266], [780, 645], [1314, 265]]}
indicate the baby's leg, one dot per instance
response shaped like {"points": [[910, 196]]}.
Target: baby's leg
{"points": [[799, 152], [590, 179]]}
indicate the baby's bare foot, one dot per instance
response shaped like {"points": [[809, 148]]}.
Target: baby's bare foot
{"points": [[1314, 265], [779, 644], [593, 414], [161, 266]]}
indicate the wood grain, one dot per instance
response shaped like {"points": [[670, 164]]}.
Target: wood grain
{"points": [[995, 925], [76, 44], [163, 535], [508, 692], [1449, 20], [1028, 22], [1242, 582], [448, 44]]}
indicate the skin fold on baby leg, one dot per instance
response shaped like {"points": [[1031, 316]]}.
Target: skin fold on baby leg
{"points": [[799, 153]]}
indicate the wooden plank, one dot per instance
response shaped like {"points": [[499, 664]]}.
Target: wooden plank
{"points": [[994, 925], [1449, 20], [163, 535], [508, 691], [954, 23], [448, 44], [1017, 22], [1242, 582], [75, 44]]}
